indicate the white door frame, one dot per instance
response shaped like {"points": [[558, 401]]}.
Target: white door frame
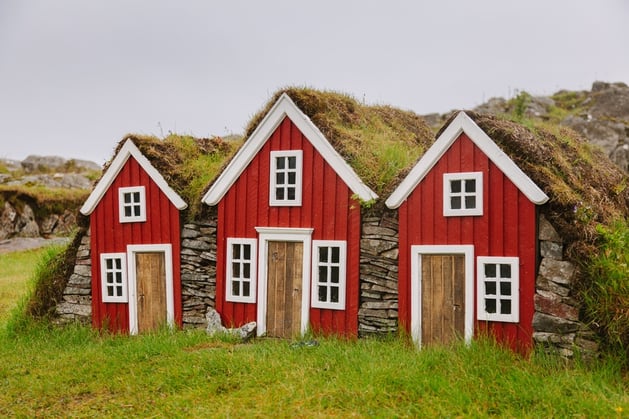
{"points": [[132, 249], [416, 298], [283, 234]]}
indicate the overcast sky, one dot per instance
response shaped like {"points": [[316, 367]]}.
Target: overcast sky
{"points": [[77, 75]]}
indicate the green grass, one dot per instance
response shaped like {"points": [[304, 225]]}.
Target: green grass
{"points": [[75, 371], [14, 269]]}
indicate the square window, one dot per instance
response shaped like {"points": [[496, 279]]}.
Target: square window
{"points": [[132, 204], [462, 194], [241, 271], [498, 288], [328, 274], [113, 276], [286, 178]]}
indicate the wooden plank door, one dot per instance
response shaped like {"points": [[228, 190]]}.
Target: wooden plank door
{"points": [[151, 290], [283, 310], [443, 298]]}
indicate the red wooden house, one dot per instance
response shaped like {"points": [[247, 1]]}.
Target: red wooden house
{"points": [[135, 246], [467, 241], [288, 230]]}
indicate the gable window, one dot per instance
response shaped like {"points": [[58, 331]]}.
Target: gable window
{"points": [[241, 270], [498, 289], [113, 277], [329, 259], [132, 204], [285, 179], [463, 194]]}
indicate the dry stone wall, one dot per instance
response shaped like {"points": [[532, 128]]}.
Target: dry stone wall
{"points": [[378, 312], [76, 304]]}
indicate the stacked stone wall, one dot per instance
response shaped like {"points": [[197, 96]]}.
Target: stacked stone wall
{"points": [[76, 303], [378, 312]]}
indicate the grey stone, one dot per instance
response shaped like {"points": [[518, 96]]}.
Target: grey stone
{"points": [[551, 250], [560, 272], [546, 323], [547, 231], [189, 233], [83, 270], [195, 244]]}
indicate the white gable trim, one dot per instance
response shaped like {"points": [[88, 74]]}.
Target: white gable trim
{"points": [[129, 149], [463, 123], [282, 108]]}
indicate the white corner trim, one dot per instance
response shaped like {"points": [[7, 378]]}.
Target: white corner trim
{"points": [[133, 287], [265, 235], [129, 149], [416, 297], [285, 107], [463, 123]]}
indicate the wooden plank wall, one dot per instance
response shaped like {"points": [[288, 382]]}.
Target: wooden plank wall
{"points": [[507, 228], [327, 206], [108, 235]]}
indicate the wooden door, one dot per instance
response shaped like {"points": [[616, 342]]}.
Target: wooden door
{"points": [[284, 279], [150, 278], [443, 298]]}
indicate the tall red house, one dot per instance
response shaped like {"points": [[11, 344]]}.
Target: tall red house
{"points": [[289, 225], [135, 246], [467, 241]]}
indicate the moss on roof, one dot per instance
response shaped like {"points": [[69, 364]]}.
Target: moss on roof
{"points": [[379, 142], [187, 163]]}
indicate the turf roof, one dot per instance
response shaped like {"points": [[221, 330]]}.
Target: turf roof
{"points": [[379, 142]]}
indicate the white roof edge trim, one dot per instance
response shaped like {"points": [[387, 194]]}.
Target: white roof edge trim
{"points": [[129, 149], [463, 123], [285, 107]]}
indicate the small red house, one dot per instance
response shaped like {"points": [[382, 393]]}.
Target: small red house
{"points": [[135, 246], [467, 241], [289, 225]]}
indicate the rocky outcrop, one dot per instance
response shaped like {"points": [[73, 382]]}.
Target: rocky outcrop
{"points": [[378, 312]]}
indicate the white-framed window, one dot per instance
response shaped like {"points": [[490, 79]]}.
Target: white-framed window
{"points": [[132, 204], [285, 178], [329, 261], [462, 194], [113, 277], [498, 291], [241, 270]]}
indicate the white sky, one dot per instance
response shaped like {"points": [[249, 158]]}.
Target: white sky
{"points": [[77, 75]]}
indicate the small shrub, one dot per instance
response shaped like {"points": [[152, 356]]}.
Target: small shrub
{"points": [[607, 294]]}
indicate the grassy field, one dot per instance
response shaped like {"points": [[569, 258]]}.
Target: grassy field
{"points": [[15, 269], [74, 371]]}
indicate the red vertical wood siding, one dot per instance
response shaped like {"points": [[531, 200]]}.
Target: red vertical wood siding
{"points": [[327, 207], [506, 228], [108, 235]]}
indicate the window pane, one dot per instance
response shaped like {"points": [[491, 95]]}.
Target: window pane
{"points": [[334, 274], [490, 288], [455, 202], [110, 277], [236, 288], [235, 251], [118, 277], [505, 288], [292, 178], [470, 185], [490, 270], [136, 210], [470, 202], [118, 291], [246, 270], [455, 186], [279, 178], [110, 291], [246, 289], [323, 254], [323, 297], [109, 264], [279, 162], [279, 193], [505, 270], [490, 305], [291, 193], [505, 306], [323, 274], [127, 211], [246, 251], [336, 254], [334, 294], [136, 196], [235, 270], [127, 198], [292, 162]]}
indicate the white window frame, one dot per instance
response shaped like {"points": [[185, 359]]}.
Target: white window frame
{"points": [[448, 211], [342, 265], [229, 275], [142, 203], [124, 297], [273, 201], [481, 314]]}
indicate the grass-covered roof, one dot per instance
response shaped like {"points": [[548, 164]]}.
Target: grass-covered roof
{"points": [[379, 142]]}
